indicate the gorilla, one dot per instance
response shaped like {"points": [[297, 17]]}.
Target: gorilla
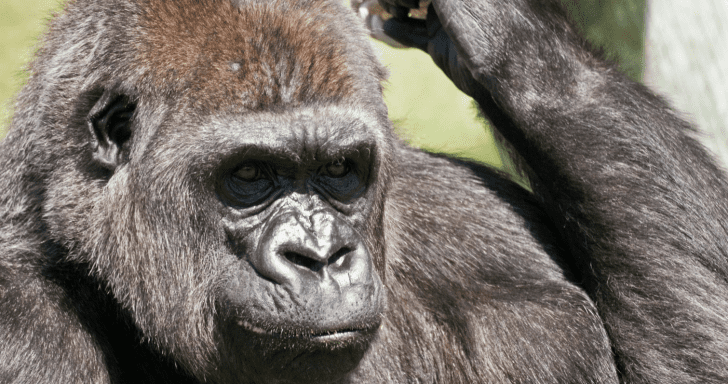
{"points": [[210, 191]]}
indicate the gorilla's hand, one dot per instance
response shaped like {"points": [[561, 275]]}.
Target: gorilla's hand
{"points": [[464, 38]]}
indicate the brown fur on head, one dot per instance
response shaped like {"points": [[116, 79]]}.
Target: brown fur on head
{"points": [[262, 55]]}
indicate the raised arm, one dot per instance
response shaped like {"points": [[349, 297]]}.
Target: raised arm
{"points": [[639, 202]]}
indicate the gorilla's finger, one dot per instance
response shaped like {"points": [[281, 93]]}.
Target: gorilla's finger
{"points": [[409, 32]]}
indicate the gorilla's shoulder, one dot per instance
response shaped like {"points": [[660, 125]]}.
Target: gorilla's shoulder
{"points": [[449, 210]]}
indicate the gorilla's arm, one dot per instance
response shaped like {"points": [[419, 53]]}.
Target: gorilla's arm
{"points": [[640, 204]]}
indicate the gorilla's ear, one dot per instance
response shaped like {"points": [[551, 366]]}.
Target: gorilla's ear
{"points": [[109, 122]]}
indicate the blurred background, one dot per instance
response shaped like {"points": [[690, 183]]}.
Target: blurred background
{"points": [[676, 46]]}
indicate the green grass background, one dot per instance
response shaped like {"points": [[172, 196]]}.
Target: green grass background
{"points": [[428, 111]]}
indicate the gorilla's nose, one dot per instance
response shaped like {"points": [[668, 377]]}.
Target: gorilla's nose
{"points": [[311, 255]]}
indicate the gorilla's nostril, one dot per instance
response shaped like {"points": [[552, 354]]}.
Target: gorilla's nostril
{"points": [[303, 261], [338, 255]]}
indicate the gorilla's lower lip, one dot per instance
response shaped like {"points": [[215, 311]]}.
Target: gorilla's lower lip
{"points": [[343, 335], [317, 336]]}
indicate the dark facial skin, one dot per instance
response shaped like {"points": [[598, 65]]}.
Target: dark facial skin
{"points": [[310, 295]]}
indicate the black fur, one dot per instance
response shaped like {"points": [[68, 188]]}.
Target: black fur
{"points": [[132, 249]]}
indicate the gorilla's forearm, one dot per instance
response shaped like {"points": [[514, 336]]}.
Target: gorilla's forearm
{"points": [[635, 197]]}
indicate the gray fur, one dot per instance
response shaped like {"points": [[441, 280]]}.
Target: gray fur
{"points": [[114, 271]]}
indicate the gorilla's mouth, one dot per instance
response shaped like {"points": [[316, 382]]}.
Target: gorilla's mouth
{"points": [[280, 352], [317, 336]]}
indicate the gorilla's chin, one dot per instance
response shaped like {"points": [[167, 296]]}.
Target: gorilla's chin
{"points": [[296, 356]]}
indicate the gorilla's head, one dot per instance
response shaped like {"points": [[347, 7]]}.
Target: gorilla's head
{"points": [[222, 169]]}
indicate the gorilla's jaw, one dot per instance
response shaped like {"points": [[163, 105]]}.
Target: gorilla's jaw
{"points": [[296, 356]]}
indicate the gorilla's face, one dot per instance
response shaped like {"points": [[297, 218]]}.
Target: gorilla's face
{"points": [[302, 294], [242, 200]]}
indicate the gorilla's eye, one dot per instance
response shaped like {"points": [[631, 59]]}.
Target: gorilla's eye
{"points": [[341, 180], [338, 168], [249, 184], [248, 172]]}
